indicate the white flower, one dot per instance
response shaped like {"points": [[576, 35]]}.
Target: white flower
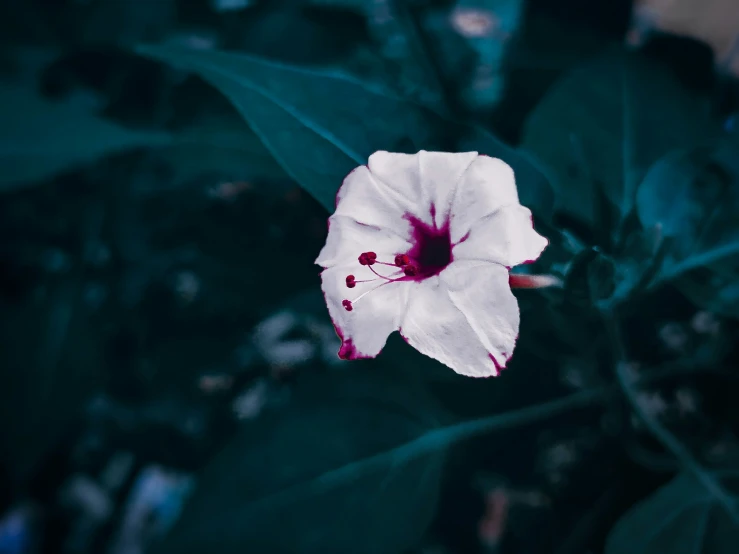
{"points": [[424, 243]]}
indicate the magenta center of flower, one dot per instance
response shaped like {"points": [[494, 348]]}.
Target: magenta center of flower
{"points": [[432, 247], [430, 253]]}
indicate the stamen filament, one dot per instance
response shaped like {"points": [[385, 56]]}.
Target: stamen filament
{"points": [[381, 276], [404, 267], [365, 293]]}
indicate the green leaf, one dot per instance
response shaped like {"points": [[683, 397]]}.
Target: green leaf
{"points": [[680, 518], [316, 478], [40, 138], [47, 378], [693, 196], [220, 147], [603, 125], [590, 278], [320, 125]]}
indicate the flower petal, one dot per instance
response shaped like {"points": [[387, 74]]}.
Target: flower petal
{"points": [[426, 180], [506, 237], [466, 318], [487, 185], [365, 329], [347, 239], [399, 174], [366, 201]]}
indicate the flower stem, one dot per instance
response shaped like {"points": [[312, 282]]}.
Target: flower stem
{"points": [[659, 431]]}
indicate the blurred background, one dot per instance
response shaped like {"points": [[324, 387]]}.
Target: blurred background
{"points": [[165, 349]]}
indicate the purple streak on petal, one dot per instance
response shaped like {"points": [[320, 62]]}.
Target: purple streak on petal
{"points": [[464, 238], [347, 350], [498, 368]]}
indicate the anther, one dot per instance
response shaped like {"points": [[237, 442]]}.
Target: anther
{"points": [[403, 265], [410, 270], [402, 260], [367, 258]]}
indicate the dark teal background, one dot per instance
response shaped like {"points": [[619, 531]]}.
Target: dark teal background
{"points": [[168, 371]]}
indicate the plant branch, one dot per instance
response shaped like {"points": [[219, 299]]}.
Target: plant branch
{"points": [[424, 44], [697, 261], [437, 440], [659, 431]]}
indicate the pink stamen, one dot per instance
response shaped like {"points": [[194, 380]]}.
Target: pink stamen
{"points": [[429, 253], [351, 282], [402, 264]]}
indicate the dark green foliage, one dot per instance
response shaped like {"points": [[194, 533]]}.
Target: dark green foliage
{"points": [[693, 196], [40, 399], [308, 120], [40, 138], [219, 147], [320, 125], [624, 123], [602, 126], [33, 150], [540, 51], [622, 161], [590, 278], [314, 480], [680, 518]]}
